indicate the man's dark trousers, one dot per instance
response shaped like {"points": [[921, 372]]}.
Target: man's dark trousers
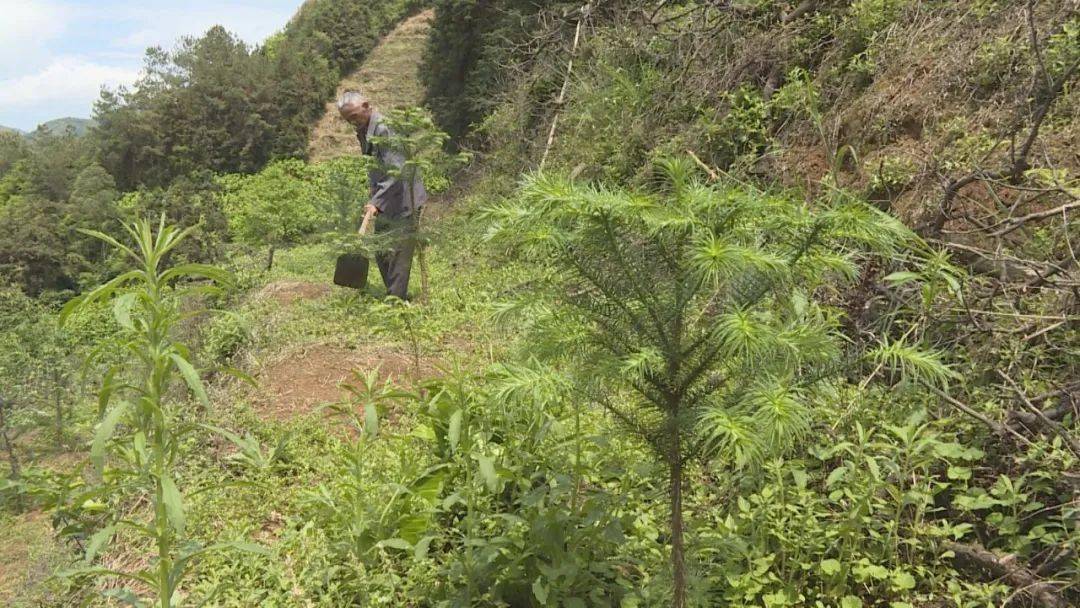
{"points": [[395, 260]]}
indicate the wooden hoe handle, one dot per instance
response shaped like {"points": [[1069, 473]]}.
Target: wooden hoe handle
{"points": [[367, 226]]}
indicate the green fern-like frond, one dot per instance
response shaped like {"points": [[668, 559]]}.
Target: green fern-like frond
{"points": [[780, 413], [676, 174], [717, 259], [823, 263], [742, 333], [912, 363], [641, 362], [530, 382], [730, 437], [807, 339]]}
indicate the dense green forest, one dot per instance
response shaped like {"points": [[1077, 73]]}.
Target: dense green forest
{"points": [[718, 303]]}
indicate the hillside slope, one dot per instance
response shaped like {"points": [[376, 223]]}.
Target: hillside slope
{"points": [[389, 76], [59, 126], [870, 437]]}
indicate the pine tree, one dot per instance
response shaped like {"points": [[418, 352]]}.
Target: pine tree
{"points": [[692, 312]]}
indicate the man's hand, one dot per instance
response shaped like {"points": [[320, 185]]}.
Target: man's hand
{"points": [[371, 210]]}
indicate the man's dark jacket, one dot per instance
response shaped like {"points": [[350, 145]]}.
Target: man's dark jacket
{"points": [[389, 194]]}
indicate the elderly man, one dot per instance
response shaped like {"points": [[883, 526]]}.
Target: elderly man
{"points": [[394, 202]]}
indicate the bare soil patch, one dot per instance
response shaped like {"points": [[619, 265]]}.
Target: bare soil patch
{"points": [[289, 292], [301, 380], [27, 555]]}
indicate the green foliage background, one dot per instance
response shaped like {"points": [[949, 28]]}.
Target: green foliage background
{"points": [[525, 472]]}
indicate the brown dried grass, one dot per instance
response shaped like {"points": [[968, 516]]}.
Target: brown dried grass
{"points": [[389, 77]]}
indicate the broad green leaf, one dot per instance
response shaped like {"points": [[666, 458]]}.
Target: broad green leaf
{"points": [[108, 387], [429, 485], [207, 271], [424, 432], [453, 434], [396, 543], [420, 551], [959, 473], [97, 541], [850, 601], [903, 581], [371, 420], [836, 475], [104, 433], [174, 505], [800, 477], [830, 567], [487, 471], [540, 590], [122, 310], [413, 528], [902, 277], [191, 377]]}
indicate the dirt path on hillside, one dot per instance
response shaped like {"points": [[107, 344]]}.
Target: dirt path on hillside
{"points": [[389, 77]]}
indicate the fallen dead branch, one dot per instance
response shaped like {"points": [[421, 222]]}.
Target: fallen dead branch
{"points": [[1015, 574]]}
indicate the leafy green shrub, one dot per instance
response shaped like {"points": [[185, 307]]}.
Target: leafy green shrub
{"points": [[995, 62], [619, 95], [867, 19], [277, 206], [345, 182], [743, 131], [890, 175], [481, 499], [225, 336]]}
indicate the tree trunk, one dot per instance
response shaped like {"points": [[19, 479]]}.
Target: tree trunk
{"points": [[9, 446], [270, 259], [59, 405], [678, 560]]}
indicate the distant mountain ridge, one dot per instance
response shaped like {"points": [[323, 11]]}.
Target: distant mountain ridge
{"points": [[60, 125], [56, 126]]}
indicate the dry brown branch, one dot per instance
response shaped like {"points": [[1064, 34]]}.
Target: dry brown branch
{"points": [[804, 7], [1017, 222], [1067, 437], [995, 426], [713, 176], [1015, 574]]}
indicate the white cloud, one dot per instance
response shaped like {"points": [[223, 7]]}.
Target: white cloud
{"points": [[55, 55], [165, 26], [70, 80], [25, 28]]}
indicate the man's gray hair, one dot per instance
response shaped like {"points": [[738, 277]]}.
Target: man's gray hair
{"points": [[351, 98]]}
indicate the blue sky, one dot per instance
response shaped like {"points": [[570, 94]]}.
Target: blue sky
{"points": [[55, 55]]}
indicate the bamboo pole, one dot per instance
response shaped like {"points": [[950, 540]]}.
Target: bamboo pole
{"points": [[584, 10]]}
